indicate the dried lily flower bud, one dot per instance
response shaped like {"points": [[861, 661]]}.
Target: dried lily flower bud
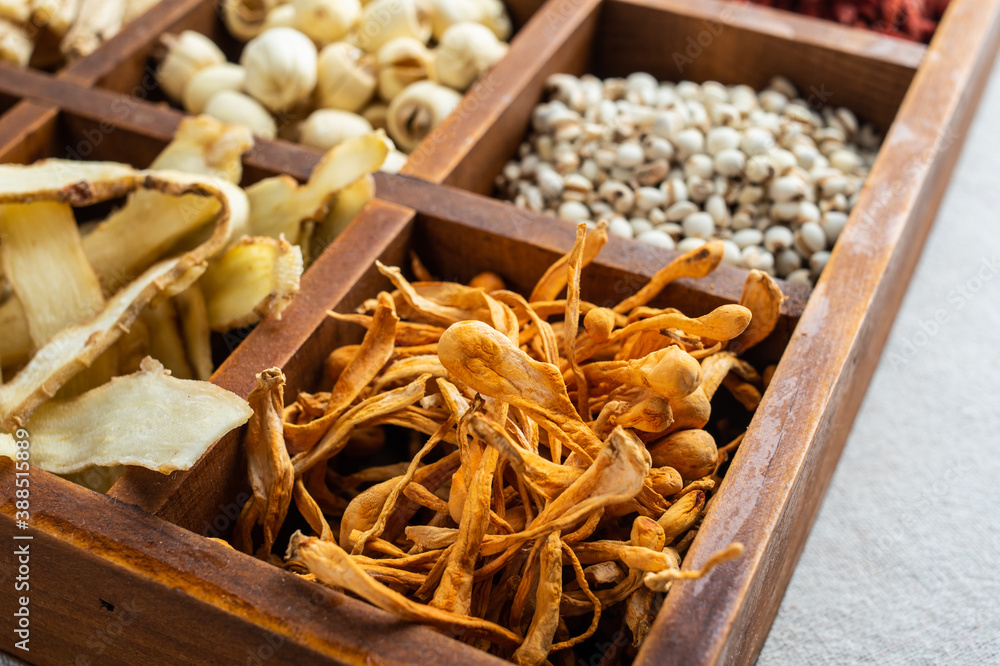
{"points": [[691, 452]]}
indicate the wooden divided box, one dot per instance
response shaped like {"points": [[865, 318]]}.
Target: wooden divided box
{"points": [[132, 577]]}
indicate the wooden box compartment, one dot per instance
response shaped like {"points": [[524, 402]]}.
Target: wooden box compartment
{"points": [[130, 67], [674, 40], [6, 102], [97, 132], [457, 238]]}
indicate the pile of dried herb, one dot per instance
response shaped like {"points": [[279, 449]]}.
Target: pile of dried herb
{"points": [[561, 470]]}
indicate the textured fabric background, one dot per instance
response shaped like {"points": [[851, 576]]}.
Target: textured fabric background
{"points": [[901, 564]]}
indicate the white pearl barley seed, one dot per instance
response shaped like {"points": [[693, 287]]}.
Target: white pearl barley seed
{"points": [[688, 244], [619, 226], [657, 238], [640, 225], [698, 225], [574, 211], [747, 237]]}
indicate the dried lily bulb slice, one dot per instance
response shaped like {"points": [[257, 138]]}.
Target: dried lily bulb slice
{"points": [[486, 360], [660, 581], [272, 477], [763, 297], [149, 419], [333, 566], [255, 278], [697, 263], [538, 640], [556, 277]]}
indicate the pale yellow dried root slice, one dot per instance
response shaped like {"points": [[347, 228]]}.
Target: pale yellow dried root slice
{"points": [[149, 419], [202, 145], [15, 339], [255, 278], [86, 183], [15, 10], [345, 207], [151, 223], [44, 263], [165, 342], [96, 22], [16, 45], [56, 15], [279, 206], [195, 329]]}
